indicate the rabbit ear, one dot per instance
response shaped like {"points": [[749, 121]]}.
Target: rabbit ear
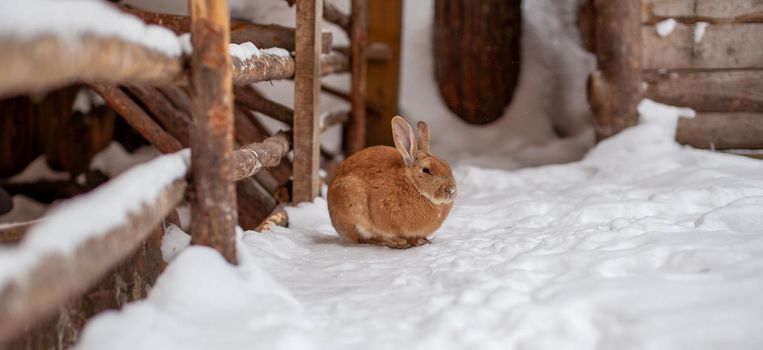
{"points": [[404, 140], [423, 136]]}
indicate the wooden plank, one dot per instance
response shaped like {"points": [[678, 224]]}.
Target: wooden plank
{"points": [[176, 122], [722, 131], [269, 66], [307, 101], [214, 214], [708, 91], [686, 11], [58, 278], [355, 130], [614, 90], [723, 46]]}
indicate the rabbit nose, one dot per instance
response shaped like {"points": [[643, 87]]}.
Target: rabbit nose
{"points": [[451, 190]]}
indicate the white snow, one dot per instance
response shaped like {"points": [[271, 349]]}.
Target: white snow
{"points": [[71, 19], [699, 31], [85, 100], [276, 51], [244, 51], [72, 223], [665, 27], [644, 244], [173, 242]]}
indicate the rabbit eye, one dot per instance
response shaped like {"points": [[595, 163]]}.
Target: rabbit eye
{"points": [[426, 171]]}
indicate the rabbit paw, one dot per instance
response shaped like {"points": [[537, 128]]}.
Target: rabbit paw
{"points": [[415, 242]]}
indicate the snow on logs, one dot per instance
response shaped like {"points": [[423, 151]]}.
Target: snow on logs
{"points": [[102, 44], [81, 240]]}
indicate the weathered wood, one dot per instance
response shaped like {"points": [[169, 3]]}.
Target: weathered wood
{"points": [[283, 170], [278, 217], [179, 98], [722, 46], [708, 91], [713, 11], [385, 20], [129, 281], [334, 15], [270, 66], [722, 131], [253, 100], [614, 89], [137, 118], [174, 121], [251, 158], [355, 130], [586, 25], [476, 56], [47, 62], [254, 203], [334, 118], [263, 36], [307, 100], [58, 278], [214, 206]]}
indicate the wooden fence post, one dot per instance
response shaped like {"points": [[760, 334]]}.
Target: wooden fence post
{"points": [[214, 206], [307, 100], [614, 90], [355, 138]]}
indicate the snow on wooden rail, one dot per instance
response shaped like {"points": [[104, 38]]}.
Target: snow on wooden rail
{"points": [[83, 239]]}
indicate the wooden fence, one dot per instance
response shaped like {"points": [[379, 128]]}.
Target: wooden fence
{"points": [[203, 101]]}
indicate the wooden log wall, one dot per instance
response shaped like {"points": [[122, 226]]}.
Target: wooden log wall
{"points": [[711, 62]]}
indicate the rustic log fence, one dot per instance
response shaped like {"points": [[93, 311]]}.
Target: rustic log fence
{"points": [[201, 99]]}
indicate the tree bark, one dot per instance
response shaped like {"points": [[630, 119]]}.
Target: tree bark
{"points": [[477, 56], [214, 206]]}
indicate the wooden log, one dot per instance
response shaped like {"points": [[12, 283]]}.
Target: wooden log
{"points": [[723, 46], [131, 280], [214, 206], [282, 171], [307, 101], [333, 119], [47, 62], [332, 14], [270, 66], [252, 158], [137, 118], [708, 91], [355, 131], [586, 25], [278, 217], [476, 56], [253, 100], [614, 89], [722, 131], [713, 11], [375, 51], [179, 98], [263, 36], [58, 278], [255, 203], [385, 21], [174, 121]]}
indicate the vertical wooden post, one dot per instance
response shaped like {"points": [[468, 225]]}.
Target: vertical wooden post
{"points": [[385, 22], [307, 100], [214, 206], [355, 138], [614, 90]]}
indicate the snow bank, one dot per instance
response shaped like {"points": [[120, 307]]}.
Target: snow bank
{"points": [[73, 18], [644, 244], [72, 223]]}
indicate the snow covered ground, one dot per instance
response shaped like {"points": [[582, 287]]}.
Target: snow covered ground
{"points": [[644, 244]]}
